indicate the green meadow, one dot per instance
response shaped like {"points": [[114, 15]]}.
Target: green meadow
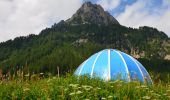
{"points": [[81, 88]]}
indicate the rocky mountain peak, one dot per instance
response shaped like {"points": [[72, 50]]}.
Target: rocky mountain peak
{"points": [[92, 14]]}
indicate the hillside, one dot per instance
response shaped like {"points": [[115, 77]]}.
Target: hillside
{"points": [[68, 43]]}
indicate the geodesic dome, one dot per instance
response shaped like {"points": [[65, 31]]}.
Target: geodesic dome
{"points": [[111, 64]]}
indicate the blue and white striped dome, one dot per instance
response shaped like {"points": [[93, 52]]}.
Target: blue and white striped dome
{"points": [[110, 64]]}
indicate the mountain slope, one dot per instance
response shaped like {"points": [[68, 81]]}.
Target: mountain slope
{"points": [[70, 42], [91, 14]]}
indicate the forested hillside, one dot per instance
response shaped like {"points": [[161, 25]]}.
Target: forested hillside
{"points": [[68, 43]]}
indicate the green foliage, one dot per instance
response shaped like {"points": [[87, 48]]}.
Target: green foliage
{"points": [[71, 88], [67, 46]]}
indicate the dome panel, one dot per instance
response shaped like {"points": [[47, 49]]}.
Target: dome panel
{"points": [[79, 69], [134, 71], [101, 66], [117, 66], [146, 75], [87, 67]]}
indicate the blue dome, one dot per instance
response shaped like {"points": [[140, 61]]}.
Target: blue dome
{"points": [[110, 64]]}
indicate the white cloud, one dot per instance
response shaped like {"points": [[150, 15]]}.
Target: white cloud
{"points": [[137, 15], [109, 4], [23, 17]]}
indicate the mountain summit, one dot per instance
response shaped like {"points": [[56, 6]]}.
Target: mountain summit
{"points": [[92, 14]]}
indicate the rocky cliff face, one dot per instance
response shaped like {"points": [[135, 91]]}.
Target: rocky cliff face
{"points": [[92, 14]]}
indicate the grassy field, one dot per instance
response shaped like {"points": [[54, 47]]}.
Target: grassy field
{"points": [[71, 88]]}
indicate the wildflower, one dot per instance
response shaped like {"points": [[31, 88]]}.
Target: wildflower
{"points": [[120, 81], [110, 96], [146, 97], [79, 92], [151, 91], [54, 77], [73, 85], [112, 82], [143, 86], [98, 88], [72, 94], [65, 89], [61, 86], [49, 80], [48, 98], [119, 85], [115, 81], [84, 86], [137, 87], [158, 95], [26, 89], [27, 75], [168, 90], [103, 98], [76, 85], [87, 87]]}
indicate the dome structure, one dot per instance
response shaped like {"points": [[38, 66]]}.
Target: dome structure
{"points": [[111, 64]]}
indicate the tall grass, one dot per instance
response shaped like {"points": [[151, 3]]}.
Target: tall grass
{"points": [[72, 88]]}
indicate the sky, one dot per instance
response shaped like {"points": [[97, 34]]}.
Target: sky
{"points": [[24, 17]]}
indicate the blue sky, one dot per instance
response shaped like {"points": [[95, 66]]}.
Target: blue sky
{"points": [[136, 13], [23, 17], [119, 8]]}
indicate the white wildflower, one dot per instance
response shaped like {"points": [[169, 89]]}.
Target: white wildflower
{"points": [[72, 93], [79, 92], [98, 88], [110, 96], [137, 87], [146, 97], [143, 86], [168, 90], [26, 89]]}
